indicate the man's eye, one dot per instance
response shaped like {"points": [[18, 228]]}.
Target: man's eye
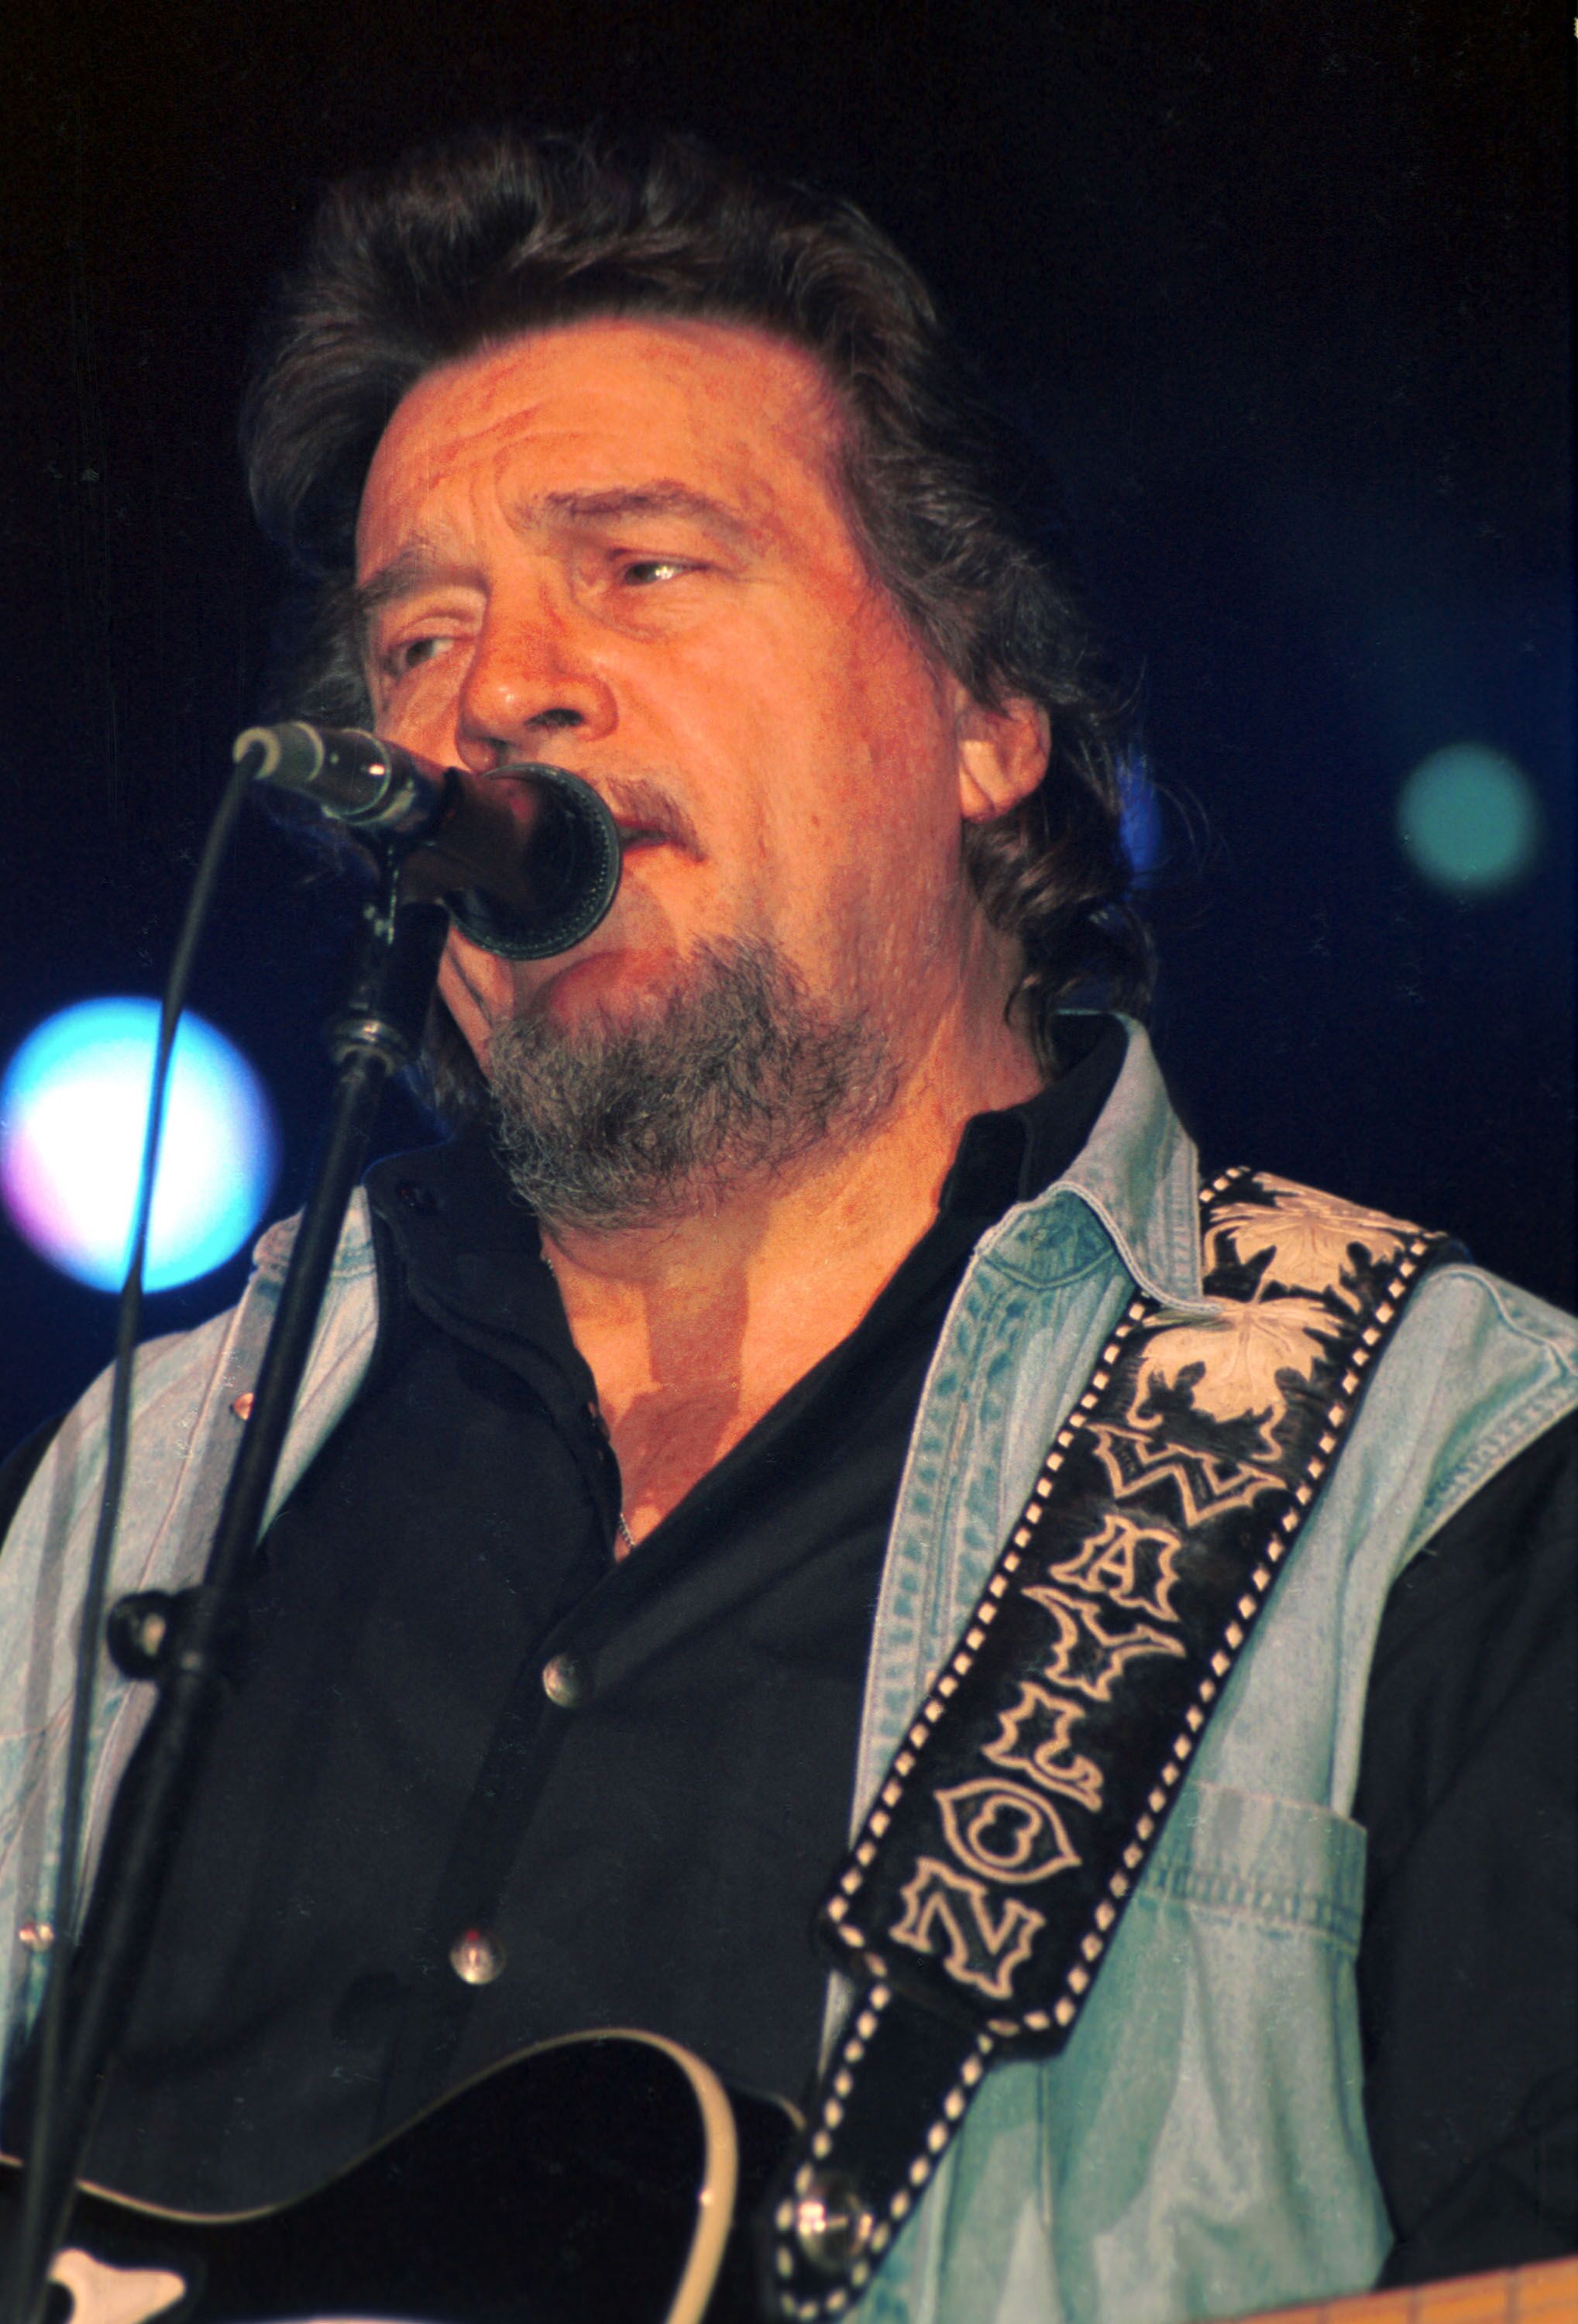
{"points": [[641, 572], [410, 652]]}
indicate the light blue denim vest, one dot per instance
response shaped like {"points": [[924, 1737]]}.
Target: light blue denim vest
{"points": [[1199, 2149]]}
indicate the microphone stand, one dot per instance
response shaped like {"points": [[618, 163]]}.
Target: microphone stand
{"points": [[181, 1641]]}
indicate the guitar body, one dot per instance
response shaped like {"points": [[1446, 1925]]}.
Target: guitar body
{"points": [[593, 2181], [1544, 2293]]}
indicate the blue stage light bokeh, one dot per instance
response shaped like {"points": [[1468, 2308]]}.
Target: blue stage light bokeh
{"points": [[73, 1106]]}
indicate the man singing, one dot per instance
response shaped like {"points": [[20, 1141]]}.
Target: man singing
{"points": [[666, 1425]]}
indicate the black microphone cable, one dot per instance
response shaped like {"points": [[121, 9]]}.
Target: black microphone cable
{"points": [[36, 2210]]}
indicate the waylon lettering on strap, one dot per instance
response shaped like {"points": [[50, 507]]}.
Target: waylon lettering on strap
{"points": [[994, 1867]]}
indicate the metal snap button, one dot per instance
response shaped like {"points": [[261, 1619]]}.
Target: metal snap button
{"points": [[476, 1957], [566, 1681], [831, 2224]]}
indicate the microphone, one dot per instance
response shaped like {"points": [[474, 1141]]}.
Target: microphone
{"points": [[526, 860]]}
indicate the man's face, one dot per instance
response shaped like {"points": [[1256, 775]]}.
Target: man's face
{"points": [[617, 546]]}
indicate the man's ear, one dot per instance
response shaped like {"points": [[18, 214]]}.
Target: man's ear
{"points": [[1002, 755]]}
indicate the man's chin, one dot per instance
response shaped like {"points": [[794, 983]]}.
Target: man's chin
{"points": [[621, 1100], [609, 980], [604, 993], [585, 1002]]}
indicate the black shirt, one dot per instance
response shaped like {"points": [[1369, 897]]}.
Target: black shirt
{"points": [[392, 1769]]}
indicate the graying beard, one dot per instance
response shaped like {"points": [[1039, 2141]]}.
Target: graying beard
{"points": [[737, 1076]]}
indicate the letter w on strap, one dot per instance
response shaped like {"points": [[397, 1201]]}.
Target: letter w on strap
{"points": [[1018, 1812]]}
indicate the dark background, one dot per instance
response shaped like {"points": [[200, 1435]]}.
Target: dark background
{"points": [[1283, 290]]}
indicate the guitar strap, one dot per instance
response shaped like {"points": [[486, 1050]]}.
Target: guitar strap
{"points": [[1017, 1816]]}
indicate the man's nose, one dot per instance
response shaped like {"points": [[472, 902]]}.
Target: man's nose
{"points": [[529, 676]]}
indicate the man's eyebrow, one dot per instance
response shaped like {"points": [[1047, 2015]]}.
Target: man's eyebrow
{"points": [[625, 502], [409, 570]]}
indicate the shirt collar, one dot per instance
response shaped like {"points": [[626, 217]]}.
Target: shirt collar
{"points": [[1012, 1155], [1138, 1173]]}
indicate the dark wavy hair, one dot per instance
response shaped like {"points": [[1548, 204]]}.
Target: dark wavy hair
{"points": [[475, 240]]}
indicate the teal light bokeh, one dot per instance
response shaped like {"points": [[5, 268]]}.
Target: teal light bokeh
{"points": [[1469, 820]]}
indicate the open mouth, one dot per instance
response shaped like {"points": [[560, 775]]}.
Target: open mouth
{"points": [[646, 815], [653, 821], [633, 835]]}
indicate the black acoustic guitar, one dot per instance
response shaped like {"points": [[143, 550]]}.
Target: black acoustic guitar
{"points": [[594, 2181]]}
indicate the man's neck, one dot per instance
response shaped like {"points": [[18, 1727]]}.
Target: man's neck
{"points": [[695, 1327]]}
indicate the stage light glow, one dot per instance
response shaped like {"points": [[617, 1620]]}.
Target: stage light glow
{"points": [[1144, 840], [1469, 820], [73, 1105]]}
